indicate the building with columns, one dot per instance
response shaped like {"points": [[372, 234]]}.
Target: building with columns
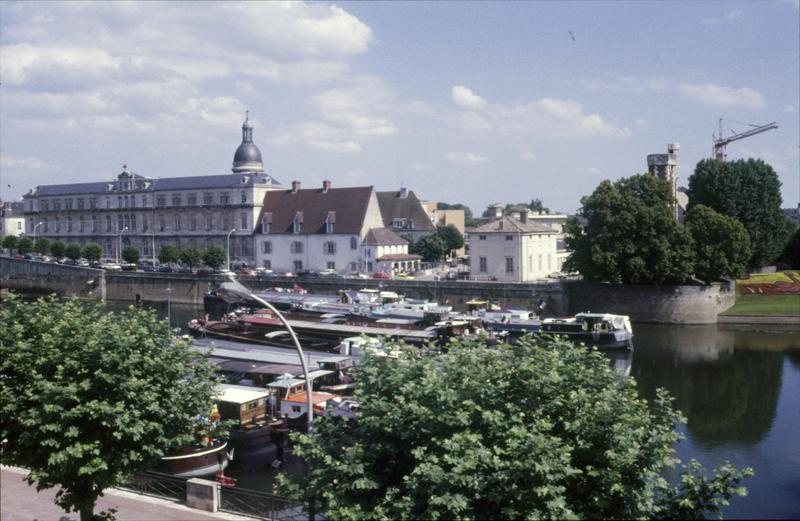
{"points": [[149, 212]]}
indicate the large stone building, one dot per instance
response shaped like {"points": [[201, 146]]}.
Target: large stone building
{"points": [[149, 212]]}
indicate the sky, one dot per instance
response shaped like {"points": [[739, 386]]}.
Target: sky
{"points": [[462, 102]]}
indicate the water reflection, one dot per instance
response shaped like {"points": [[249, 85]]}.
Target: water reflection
{"points": [[727, 388]]}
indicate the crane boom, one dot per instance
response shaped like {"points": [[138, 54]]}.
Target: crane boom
{"points": [[720, 142]]}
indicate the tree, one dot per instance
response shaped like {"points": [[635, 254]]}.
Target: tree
{"points": [[791, 251], [450, 236], [537, 206], [42, 246], [57, 249], [10, 242], [214, 257], [749, 191], [527, 431], [168, 254], [130, 254], [431, 247], [92, 252], [90, 397], [25, 245], [721, 244], [191, 257], [73, 251], [631, 235]]}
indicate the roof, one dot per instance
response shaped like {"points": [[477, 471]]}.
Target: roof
{"points": [[398, 257], [393, 206], [509, 224], [347, 207], [383, 237], [197, 182], [239, 393], [317, 398]]}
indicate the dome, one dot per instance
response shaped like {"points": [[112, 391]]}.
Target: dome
{"points": [[247, 157]]}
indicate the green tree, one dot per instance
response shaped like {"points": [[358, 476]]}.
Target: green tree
{"points": [[73, 251], [57, 249], [214, 257], [25, 245], [513, 432], [630, 236], [191, 257], [92, 252], [168, 254], [42, 246], [749, 191], [721, 244], [450, 236], [10, 242], [90, 397], [791, 251], [130, 254], [431, 247]]}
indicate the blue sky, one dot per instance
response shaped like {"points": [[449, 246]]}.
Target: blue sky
{"points": [[460, 101]]}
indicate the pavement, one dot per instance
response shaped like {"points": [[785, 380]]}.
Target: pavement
{"points": [[20, 502]]}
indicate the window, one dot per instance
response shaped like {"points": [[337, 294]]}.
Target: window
{"points": [[297, 222], [176, 199], [56, 205], [120, 223], [161, 201], [267, 264], [297, 247], [224, 198], [540, 262], [177, 224], [295, 408], [226, 222], [162, 224], [482, 264], [58, 225], [108, 202], [329, 248], [353, 243], [191, 199], [353, 266], [69, 223], [264, 225], [209, 223], [68, 204], [80, 224], [328, 227], [244, 197], [144, 201], [509, 237], [92, 203], [44, 225], [509, 264], [298, 265], [193, 224], [331, 265], [94, 223], [207, 197], [266, 247], [481, 237], [398, 222], [244, 221], [80, 204], [45, 205], [108, 223]]}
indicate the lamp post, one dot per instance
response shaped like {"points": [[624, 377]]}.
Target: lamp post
{"points": [[34, 230], [153, 244], [236, 291], [169, 306], [119, 242], [228, 250]]}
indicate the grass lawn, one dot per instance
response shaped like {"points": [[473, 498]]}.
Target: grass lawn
{"points": [[765, 305]]}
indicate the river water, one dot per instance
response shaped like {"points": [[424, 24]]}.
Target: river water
{"points": [[740, 393]]}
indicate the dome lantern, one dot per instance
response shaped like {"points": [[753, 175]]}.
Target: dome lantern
{"points": [[247, 157]]}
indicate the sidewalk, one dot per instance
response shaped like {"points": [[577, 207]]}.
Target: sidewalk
{"points": [[19, 502]]}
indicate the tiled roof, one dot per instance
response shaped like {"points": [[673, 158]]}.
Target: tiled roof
{"points": [[197, 182], [509, 224], [383, 237], [349, 207], [395, 207]]}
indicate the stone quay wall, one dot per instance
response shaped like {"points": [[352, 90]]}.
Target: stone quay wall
{"points": [[656, 304]]}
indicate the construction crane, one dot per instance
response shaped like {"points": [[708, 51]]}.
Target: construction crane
{"points": [[721, 142]]}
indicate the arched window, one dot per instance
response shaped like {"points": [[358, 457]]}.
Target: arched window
{"points": [[353, 243]]}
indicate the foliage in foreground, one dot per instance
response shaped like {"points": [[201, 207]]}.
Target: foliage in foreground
{"points": [[522, 431], [90, 398]]}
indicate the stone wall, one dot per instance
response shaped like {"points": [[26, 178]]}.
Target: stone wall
{"points": [[32, 277]]}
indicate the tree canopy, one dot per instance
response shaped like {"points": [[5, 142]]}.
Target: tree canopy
{"points": [[92, 252], [721, 244], [10, 242], [749, 191], [73, 251], [214, 257], [791, 251], [25, 245], [168, 254], [431, 247], [57, 249], [450, 236], [630, 234], [42, 246], [513, 432], [130, 254], [91, 397], [191, 257]]}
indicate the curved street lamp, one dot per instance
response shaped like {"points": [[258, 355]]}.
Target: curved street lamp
{"points": [[119, 243], [228, 250], [34, 230], [233, 291]]}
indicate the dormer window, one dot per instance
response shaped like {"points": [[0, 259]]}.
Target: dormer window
{"points": [[266, 220], [398, 222], [330, 220], [297, 223]]}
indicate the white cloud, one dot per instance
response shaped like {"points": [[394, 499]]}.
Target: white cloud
{"points": [[659, 83], [724, 96], [466, 98], [790, 109], [27, 163], [641, 123], [528, 156], [421, 167], [465, 158]]}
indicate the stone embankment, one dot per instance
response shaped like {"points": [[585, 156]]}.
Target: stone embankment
{"points": [[657, 304]]}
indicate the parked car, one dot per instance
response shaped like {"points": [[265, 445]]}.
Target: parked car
{"points": [[164, 269], [204, 272], [307, 273], [381, 276], [403, 276], [330, 273], [128, 267], [357, 275], [111, 267]]}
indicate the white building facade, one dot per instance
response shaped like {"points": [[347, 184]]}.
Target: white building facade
{"points": [[12, 218], [512, 250]]}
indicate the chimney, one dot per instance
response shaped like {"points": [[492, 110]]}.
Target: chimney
{"points": [[326, 185], [403, 193], [500, 224], [523, 216], [295, 186]]}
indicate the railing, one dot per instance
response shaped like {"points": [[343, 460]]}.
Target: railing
{"points": [[159, 485], [260, 505]]}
